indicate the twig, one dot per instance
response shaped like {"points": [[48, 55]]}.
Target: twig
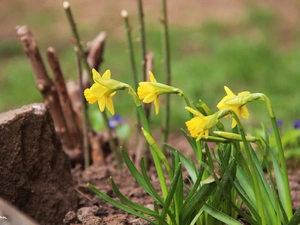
{"points": [[67, 8], [45, 85], [143, 38], [84, 116], [95, 51], [124, 14], [64, 99], [167, 60]]}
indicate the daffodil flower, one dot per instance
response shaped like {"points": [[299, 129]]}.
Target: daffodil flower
{"points": [[236, 103], [200, 124], [99, 93], [150, 91]]}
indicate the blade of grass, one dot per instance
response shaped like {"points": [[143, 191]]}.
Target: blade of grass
{"points": [[119, 205], [171, 195], [137, 176], [154, 193], [135, 206]]}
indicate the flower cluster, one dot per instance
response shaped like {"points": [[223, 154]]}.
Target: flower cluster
{"points": [[105, 88]]}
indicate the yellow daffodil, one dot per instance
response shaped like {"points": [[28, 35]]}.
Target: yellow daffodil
{"points": [[100, 93], [200, 124], [150, 91], [235, 103]]}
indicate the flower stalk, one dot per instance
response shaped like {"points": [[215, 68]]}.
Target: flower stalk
{"points": [[167, 65], [67, 8]]}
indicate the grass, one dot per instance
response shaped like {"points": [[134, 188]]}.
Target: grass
{"points": [[243, 56]]}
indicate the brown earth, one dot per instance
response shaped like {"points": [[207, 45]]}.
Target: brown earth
{"points": [[103, 213]]}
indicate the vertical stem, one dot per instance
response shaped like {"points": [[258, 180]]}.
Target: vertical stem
{"points": [[254, 177], [167, 67], [112, 142], [124, 14], [84, 115], [156, 159], [68, 11], [143, 38], [287, 199]]}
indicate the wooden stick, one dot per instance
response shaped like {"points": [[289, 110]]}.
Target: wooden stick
{"points": [[96, 49], [45, 85], [64, 99]]}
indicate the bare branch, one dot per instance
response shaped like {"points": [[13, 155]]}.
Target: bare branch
{"points": [[64, 99], [45, 84], [96, 49]]}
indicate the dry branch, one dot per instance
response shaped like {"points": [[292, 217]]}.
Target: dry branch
{"points": [[96, 49], [45, 84], [64, 99]]}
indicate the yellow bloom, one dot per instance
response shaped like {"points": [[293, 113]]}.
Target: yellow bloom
{"points": [[100, 93], [200, 124], [235, 103], [150, 91]]}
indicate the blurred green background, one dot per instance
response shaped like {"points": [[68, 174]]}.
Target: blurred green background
{"points": [[245, 45]]}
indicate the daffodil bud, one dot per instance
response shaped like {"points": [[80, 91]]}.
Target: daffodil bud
{"points": [[235, 137]]}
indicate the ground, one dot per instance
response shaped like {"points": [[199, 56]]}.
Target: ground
{"points": [[99, 176]]}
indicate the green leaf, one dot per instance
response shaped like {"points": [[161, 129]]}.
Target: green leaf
{"points": [[135, 206], [189, 210], [220, 215], [191, 141], [171, 194], [186, 163], [119, 205], [154, 193], [138, 177], [295, 220]]}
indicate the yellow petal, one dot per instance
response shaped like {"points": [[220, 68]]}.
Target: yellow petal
{"points": [[233, 123], [228, 91], [110, 105], [152, 78], [245, 112], [194, 111], [106, 74], [150, 98], [89, 96], [95, 74], [101, 104]]}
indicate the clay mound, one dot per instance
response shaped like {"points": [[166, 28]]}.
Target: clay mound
{"points": [[34, 171]]}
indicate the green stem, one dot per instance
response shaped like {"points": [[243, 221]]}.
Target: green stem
{"points": [[143, 38], [156, 159], [68, 11], [254, 177], [132, 59], [112, 142], [287, 199], [130, 47], [167, 60]]}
